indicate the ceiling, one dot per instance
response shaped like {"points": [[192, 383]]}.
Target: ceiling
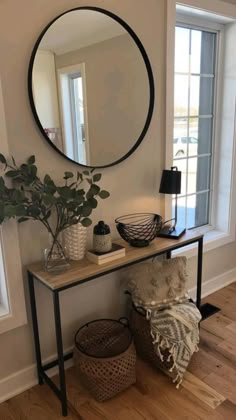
{"points": [[78, 29], [213, 17]]}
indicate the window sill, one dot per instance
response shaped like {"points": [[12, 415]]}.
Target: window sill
{"points": [[10, 321], [3, 312], [212, 239]]}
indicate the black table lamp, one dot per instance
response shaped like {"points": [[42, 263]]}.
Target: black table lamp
{"points": [[171, 184]]}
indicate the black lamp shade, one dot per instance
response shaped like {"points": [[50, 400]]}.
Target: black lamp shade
{"points": [[170, 181]]}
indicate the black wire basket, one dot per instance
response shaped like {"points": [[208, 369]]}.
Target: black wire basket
{"points": [[139, 229]]}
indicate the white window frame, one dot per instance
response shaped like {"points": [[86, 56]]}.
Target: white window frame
{"points": [[214, 236], [65, 107], [12, 303]]}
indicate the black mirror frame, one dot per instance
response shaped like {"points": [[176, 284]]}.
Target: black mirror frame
{"points": [[150, 79]]}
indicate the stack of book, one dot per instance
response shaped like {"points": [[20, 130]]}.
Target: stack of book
{"points": [[117, 251]]}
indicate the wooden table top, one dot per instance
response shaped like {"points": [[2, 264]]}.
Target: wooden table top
{"points": [[84, 270]]}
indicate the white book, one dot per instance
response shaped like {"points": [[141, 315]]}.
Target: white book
{"points": [[115, 250], [93, 258]]}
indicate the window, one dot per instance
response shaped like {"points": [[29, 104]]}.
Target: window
{"points": [[195, 71], [208, 138], [77, 115]]}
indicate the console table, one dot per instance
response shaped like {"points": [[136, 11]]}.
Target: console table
{"points": [[83, 271]]}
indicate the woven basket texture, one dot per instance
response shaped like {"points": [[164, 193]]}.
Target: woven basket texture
{"points": [[140, 328], [75, 238], [105, 358]]}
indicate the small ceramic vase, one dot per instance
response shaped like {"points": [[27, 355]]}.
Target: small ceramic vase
{"points": [[102, 242]]}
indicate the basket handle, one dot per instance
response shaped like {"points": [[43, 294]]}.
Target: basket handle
{"points": [[123, 320], [140, 310], [77, 332]]}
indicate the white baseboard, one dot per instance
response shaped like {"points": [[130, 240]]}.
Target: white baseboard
{"points": [[26, 378], [215, 284]]}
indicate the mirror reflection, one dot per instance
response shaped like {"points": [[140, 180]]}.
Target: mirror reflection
{"points": [[90, 87]]}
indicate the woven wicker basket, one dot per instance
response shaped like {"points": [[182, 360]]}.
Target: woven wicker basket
{"points": [[140, 328], [105, 357]]}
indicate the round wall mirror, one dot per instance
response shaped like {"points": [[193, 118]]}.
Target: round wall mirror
{"points": [[91, 87]]}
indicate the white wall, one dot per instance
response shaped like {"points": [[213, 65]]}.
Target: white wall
{"points": [[133, 184], [45, 89]]}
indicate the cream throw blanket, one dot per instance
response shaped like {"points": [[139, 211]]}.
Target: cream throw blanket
{"points": [[176, 329]]}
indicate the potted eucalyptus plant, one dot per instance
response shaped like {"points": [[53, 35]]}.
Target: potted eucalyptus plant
{"points": [[56, 206]]}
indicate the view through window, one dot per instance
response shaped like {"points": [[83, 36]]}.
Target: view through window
{"points": [[195, 69]]}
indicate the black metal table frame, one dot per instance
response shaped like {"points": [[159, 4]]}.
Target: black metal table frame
{"points": [[60, 361]]}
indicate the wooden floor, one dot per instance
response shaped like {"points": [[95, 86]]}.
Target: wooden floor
{"points": [[208, 391]]}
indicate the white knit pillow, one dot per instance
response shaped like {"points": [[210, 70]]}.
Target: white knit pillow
{"points": [[158, 283]]}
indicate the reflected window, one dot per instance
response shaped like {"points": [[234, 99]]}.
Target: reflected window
{"points": [[195, 62]]}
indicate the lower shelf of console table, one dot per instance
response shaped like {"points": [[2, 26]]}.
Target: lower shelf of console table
{"points": [[84, 271]]}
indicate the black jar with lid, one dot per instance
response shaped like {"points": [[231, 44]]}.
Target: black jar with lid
{"points": [[102, 242]]}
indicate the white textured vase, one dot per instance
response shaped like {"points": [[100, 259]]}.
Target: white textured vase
{"points": [[75, 241]]}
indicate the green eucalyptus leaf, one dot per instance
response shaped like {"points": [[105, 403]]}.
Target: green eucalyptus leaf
{"points": [[22, 219], [86, 173], [9, 211], [86, 222], [79, 200], [78, 211], [50, 188], [20, 210], [31, 160], [104, 194], [49, 199], [97, 177], [2, 184], [68, 175], [35, 196], [12, 173], [65, 192], [1, 212], [47, 179], [2, 159], [86, 210], [93, 190], [18, 196], [93, 202], [33, 171], [34, 211]]}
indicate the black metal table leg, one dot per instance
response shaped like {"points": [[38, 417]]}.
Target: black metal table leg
{"points": [[57, 317], [199, 273], [168, 255], [35, 326]]}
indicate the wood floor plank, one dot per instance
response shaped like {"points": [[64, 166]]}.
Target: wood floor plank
{"points": [[216, 324], [205, 393], [32, 406], [203, 363], [227, 348], [227, 409], [223, 385], [168, 397], [209, 337], [8, 412], [232, 327]]}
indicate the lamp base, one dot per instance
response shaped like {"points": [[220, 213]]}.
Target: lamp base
{"points": [[166, 232]]}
